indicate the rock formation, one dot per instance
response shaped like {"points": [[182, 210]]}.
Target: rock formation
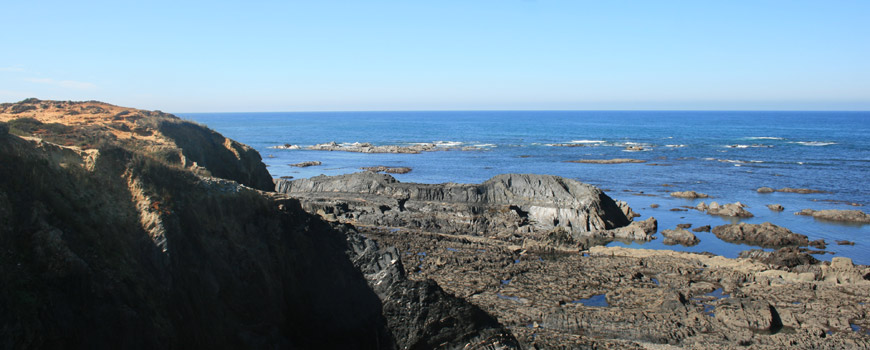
{"points": [[115, 246], [775, 207], [386, 169], [731, 209], [502, 206], [764, 235], [681, 237], [365, 147], [856, 216], [689, 194], [306, 164]]}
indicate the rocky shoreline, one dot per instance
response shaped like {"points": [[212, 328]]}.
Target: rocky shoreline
{"points": [[128, 228]]}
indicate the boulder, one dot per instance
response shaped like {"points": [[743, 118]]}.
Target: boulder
{"points": [[775, 207], [681, 237], [799, 190], [764, 235], [388, 170], [765, 190], [731, 209], [689, 194]]}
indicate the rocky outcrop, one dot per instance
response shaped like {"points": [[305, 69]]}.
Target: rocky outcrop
{"points": [[164, 137], [111, 247], [855, 216], [681, 237], [647, 299], [388, 170], [504, 205], [799, 190], [365, 147], [705, 228], [785, 257], [306, 164], [420, 314], [607, 161], [731, 209], [764, 235], [688, 194]]}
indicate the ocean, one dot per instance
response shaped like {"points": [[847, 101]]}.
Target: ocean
{"points": [[727, 155]]}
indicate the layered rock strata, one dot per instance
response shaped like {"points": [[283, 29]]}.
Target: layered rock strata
{"points": [[511, 206]]}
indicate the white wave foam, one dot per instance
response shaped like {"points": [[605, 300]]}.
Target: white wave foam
{"points": [[447, 143], [588, 141], [485, 145], [814, 143], [675, 146], [764, 138]]}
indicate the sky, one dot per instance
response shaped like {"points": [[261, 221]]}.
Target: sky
{"points": [[252, 56]]}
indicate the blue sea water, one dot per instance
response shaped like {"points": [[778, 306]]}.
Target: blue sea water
{"points": [[727, 155]]}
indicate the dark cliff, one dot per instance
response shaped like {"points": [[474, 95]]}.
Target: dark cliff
{"points": [[118, 244]]}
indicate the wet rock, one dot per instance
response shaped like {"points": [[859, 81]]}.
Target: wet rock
{"points": [[765, 190], [775, 207], [653, 205], [305, 164], [799, 190], [684, 226], [844, 242], [786, 257], [731, 209], [607, 161], [818, 244], [681, 237], [705, 228], [765, 235], [688, 194], [856, 216], [388, 170]]}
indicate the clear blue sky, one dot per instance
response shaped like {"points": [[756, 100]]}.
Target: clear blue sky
{"points": [[444, 54]]}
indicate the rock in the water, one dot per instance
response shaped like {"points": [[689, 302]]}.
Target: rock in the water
{"points": [[511, 203], [775, 207], [365, 147], [731, 209], [764, 235], [306, 164], [388, 170], [654, 205], [680, 236], [286, 146], [844, 242], [765, 190], [684, 226], [856, 216], [689, 194], [705, 228], [799, 190], [627, 210], [786, 257], [607, 161]]}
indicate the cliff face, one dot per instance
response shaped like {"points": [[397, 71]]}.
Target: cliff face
{"points": [[504, 204], [114, 245], [165, 137], [120, 251]]}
